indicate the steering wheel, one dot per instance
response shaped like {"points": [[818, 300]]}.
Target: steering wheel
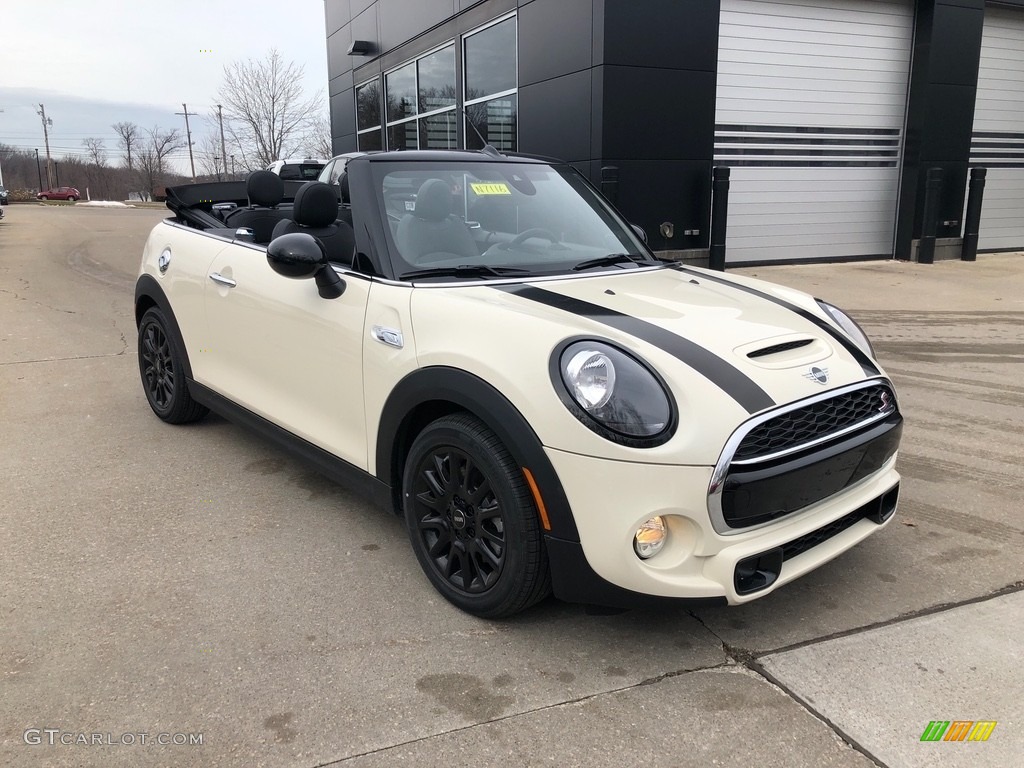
{"points": [[522, 237]]}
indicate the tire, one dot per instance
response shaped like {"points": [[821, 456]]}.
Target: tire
{"points": [[43, 197], [472, 520], [162, 372], [72, 198]]}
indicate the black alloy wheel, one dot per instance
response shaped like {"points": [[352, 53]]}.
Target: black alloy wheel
{"points": [[472, 520], [162, 373]]}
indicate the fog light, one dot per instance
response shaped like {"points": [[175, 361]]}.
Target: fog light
{"points": [[650, 538]]}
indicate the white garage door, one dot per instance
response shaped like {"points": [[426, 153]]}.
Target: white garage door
{"points": [[998, 142], [810, 110]]}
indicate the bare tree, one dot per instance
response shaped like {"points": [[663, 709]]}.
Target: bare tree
{"points": [[318, 140], [267, 116], [96, 150], [208, 156], [162, 143], [130, 138]]}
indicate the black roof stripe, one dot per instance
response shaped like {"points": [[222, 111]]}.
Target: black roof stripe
{"points": [[858, 354], [728, 378]]}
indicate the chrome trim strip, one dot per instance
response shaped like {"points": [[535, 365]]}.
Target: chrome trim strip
{"points": [[725, 459], [818, 441], [218, 278]]}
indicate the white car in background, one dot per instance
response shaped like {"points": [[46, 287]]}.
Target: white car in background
{"points": [[297, 169], [482, 344]]}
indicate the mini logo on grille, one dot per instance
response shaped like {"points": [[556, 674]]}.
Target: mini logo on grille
{"points": [[817, 374]]}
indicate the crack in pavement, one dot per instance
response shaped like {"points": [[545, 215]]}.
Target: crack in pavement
{"points": [[512, 715], [63, 359], [38, 303]]}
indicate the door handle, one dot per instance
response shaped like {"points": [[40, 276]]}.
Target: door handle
{"points": [[218, 278]]}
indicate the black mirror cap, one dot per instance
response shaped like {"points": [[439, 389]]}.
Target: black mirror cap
{"points": [[296, 255]]}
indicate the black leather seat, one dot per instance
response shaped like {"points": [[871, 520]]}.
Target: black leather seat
{"points": [[315, 212], [431, 227], [265, 191]]}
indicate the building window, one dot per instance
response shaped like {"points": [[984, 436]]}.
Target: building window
{"points": [[421, 102], [490, 85], [368, 115]]}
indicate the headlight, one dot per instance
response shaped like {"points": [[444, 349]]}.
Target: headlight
{"points": [[848, 324], [613, 393]]}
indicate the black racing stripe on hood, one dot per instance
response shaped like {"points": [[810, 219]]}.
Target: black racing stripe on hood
{"points": [[730, 379], [870, 369]]}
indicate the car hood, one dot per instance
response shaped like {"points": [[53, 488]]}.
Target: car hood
{"points": [[728, 347]]}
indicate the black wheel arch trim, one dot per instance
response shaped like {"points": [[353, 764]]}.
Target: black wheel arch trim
{"points": [[471, 393], [147, 287]]}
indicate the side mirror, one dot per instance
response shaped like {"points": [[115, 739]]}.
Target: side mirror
{"points": [[639, 232], [300, 256]]}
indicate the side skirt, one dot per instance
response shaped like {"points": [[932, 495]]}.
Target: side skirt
{"points": [[329, 465]]}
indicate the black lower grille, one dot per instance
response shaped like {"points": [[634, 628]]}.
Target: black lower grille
{"points": [[815, 421], [826, 532]]}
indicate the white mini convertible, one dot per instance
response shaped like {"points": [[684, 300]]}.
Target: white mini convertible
{"points": [[482, 344]]}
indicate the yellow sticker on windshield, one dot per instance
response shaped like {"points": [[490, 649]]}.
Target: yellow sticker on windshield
{"points": [[490, 189]]}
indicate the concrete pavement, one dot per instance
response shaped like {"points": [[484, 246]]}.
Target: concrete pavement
{"points": [[196, 580]]}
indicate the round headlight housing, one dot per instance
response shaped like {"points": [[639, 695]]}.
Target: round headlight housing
{"points": [[613, 393], [849, 325]]}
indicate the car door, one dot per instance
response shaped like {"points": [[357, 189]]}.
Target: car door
{"points": [[281, 351]]}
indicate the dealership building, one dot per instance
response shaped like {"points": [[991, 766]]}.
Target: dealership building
{"points": [[829, 114]]}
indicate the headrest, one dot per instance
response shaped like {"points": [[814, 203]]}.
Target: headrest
{"points": [[264, 188], [433, 201], [316, 205], [346, 199]]}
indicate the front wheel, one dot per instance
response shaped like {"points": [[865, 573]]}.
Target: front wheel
{"points": [[43, 197], [163, 375], [72, 199], [472, 520]]}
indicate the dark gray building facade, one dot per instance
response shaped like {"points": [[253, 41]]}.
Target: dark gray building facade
{"points": [[829, 112]]}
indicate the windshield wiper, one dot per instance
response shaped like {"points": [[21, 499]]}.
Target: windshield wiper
{"points": [[609, 260], [463, 270]]}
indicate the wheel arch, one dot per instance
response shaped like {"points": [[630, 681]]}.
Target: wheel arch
{"points": [[430, 393], [148, 294]]}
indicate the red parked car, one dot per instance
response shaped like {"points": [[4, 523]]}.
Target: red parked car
{"points": [[59, 193]]}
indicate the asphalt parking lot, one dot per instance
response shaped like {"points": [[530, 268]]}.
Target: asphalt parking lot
{"points": [[195, 580]]}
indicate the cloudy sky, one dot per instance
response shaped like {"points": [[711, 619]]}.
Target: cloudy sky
{"points": [[96, 62]]}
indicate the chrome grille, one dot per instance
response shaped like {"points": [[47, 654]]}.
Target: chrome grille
{"points": [[815, 422]]}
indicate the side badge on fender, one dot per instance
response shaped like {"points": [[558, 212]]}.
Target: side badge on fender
{"points": [[164, 260], [817, 374]]}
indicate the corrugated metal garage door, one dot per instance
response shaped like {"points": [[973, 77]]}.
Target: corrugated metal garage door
{"points": [[998, 142], [810, 113]]}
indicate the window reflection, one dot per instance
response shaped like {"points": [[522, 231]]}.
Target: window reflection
{"points": [[496, 121], [491, 60], [437, 80], [369, 141], [401, 92], [368, 105], [438, 131], [403, 136]]}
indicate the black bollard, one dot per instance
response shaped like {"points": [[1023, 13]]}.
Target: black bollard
{"points": [[930, 223], [719, 217], [972, 221]]}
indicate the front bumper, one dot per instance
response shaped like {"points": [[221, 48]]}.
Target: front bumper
{"points": [[610, 500]]}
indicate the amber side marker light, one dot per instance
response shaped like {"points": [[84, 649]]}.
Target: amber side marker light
{"points": [[536, 497]]}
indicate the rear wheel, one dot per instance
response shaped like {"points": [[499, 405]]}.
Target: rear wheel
{"points": [[163, 375], [472, 520]]}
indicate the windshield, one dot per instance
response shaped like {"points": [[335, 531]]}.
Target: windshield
{"points": [[486, 220]]}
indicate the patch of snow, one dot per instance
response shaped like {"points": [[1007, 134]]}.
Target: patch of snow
{"points": [[105, 204]]}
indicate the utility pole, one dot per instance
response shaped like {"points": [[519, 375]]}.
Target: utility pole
{"points": [[232, 167], [223, 148], [216, 166], [39, 172], [47, 123], [188, 136], [1, 169]]}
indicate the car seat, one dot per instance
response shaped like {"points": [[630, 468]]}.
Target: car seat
{"points": [[315, 212]]}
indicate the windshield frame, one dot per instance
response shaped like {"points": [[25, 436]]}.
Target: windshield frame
{"points": [[630, 242]]}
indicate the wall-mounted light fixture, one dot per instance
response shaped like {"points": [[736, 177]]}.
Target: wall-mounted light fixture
{"points": [[360, 48]]}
